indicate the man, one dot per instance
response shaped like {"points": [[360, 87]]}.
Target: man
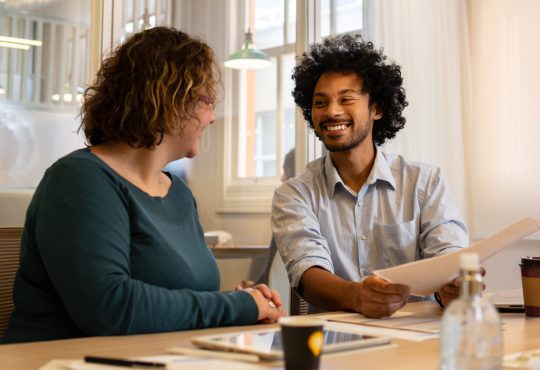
{"points": [[289, 166], [358, 209]]}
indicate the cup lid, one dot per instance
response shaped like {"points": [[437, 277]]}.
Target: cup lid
{"points": [[529, 261]]}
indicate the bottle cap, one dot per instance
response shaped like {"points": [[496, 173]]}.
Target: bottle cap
{"points": [[469, 261]]}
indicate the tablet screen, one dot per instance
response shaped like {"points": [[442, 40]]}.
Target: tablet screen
{"points": [[271, 340], [268, 343]]}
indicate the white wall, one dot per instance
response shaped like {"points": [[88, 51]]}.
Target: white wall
{"points": [[502, 128], [502, 270]]}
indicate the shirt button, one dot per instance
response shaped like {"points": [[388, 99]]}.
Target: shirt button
{"points": [[363, 237], [360, 204]]}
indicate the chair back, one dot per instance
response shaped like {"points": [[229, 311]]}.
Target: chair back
{"points": [[277, 279], [299, 306], [10, 242]]}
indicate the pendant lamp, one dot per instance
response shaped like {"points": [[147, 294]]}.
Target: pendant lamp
{"points": [[249, 57]]}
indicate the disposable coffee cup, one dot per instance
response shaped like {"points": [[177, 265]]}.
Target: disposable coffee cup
{"points": [[302, 342], [530, 280]]}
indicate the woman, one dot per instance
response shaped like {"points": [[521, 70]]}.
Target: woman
{"points": [[112, 245]]}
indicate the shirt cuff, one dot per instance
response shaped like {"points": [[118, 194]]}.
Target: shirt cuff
{"points": [[299, 268], [438, 299]]}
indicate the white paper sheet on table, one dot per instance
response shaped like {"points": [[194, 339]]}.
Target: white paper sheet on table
{"points": [[426, 276], [362, 325], [173, 363]]}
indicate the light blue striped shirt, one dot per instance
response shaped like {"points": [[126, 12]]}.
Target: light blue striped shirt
{"points": [[402, 213]]}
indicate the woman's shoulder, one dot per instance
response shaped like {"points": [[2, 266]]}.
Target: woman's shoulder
{"points": [[79, 157], [81, 163], [80, 169]]}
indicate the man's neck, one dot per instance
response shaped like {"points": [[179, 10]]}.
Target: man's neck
{"points": [[354, 166]]}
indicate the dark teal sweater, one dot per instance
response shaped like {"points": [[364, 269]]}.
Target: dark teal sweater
{"points": [[101, 257]]}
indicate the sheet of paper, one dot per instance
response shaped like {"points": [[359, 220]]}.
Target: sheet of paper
{"points": [[523, 360], [400, 320], [355, 318], [357, 322], [423, 324], [426, 276], [173, 363]]}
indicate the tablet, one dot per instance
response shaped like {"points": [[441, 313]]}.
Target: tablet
{"points": [[507, 300], [266, 343]]}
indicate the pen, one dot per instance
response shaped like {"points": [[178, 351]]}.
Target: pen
{"points": [[124, 363]]}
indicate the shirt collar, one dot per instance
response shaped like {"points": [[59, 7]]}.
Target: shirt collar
{"points": [[332, 175], [380, 171]]}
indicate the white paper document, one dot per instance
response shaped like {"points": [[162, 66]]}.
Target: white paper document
{"points": [[523, 360], [427, 276], [172, 363], [401, 325]]}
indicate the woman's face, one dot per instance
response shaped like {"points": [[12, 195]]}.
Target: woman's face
{"points": [[204, 116]]}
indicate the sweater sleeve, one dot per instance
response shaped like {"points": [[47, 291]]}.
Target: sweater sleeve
{"points": [[83, 234]]}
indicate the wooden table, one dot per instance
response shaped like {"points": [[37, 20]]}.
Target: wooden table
{"points": [[520, 334]]}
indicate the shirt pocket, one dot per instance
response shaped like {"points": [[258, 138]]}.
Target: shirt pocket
{"points": [[396, 243]]}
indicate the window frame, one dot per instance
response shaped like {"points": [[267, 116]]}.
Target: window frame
{"points": [[254, 194], [247, 194]]}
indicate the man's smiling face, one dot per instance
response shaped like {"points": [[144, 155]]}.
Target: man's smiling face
{"points": [[341, 114]]}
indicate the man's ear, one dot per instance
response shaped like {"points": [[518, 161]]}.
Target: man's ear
{"points": [[376, 112]]}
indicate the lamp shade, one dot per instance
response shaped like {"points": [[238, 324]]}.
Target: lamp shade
{"points": [[249, 57]]}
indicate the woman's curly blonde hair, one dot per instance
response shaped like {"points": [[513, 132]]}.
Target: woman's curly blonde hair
{"points": [[149, 87]]}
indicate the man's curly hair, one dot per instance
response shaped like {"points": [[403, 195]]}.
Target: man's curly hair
{"points": [[351, 54], [149, 87]]}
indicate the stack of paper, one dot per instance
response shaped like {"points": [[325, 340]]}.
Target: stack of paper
{"points": [[426, 276]]}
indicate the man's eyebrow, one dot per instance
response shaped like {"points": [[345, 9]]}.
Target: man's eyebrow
{"points": [[340, 92], [348, 91]]}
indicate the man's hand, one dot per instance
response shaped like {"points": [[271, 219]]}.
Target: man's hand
{"points": [[376, 297], [450, 291], [373, 297]]}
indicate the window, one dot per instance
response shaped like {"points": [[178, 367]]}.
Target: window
{"points": [[41, 84], [260, 116], [51, 72], [341, 16], [268, 131], [141, 15]]}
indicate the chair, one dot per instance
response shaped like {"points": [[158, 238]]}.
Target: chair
{"points": [[299, 305], [10, 240], [277, 279]]}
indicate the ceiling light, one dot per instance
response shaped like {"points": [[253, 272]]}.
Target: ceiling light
{"points": [[249, 57], [14, 46], [16, 40]]}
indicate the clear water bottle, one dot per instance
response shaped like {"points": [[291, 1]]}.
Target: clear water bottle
{"points": [[471, 337]]}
